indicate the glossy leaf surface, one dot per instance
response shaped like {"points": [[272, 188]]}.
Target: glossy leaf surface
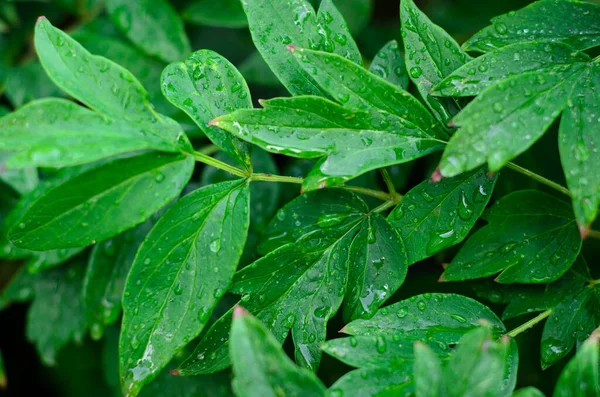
{"points": [[446, 210], [581, 376], [181, 270], [297, 24], [261, 367], [389, 64], [222, 13], [152, 25], [531, 238], [101, 202]]}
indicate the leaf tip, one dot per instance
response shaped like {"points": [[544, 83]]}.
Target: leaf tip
{"points": [[239, 311], [175, 372], [40, 19], [291, 48], [584, 231], [442, 278], [436, 176], [342, 331], [214, 122]]}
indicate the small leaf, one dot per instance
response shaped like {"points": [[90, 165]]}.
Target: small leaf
{"points": [[431, 55], [577, 26], [427, 372], [578, 140], [297, 24], [222, 13], [206, 86], [182, 269], [261, 367], [389, 65], [152, 25], [72, 135], [512, 60], [432, 217], [101, 202], [531, 238], [493, 124], [108, 266], [581, 376]]}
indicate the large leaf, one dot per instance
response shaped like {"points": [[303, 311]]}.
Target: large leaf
{"points": [[152, 25], [295, 22], [261, 367], [576, 23], [108, 266], [578, 144], [431, 55], [432, 217], [531, 238], [222, 13], [71, 134], [512, 60], [182, 269], [101, 202], [581, 376], [301, 283], [506, 119], [389, 64], [309, 127], [205, 86]]}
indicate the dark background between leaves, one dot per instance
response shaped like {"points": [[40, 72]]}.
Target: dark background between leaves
{"points": [[80, 368]]}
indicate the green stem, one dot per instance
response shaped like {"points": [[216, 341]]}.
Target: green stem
{"points": [[209, 149], [203, 158], [276, 178], [388, 180], [529, 324], [539, 178], [594, 234], [370, 192], [388, 204]]}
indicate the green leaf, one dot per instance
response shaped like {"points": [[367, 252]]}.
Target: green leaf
{"points": [[528, 392], [433, 217], [102, 201], [493, 124], [309, 127], [108, 266], [153, 26], [575, 23], [297, 24], [72, 135], [431, 55], [22, 180], [389, 65], [42, 260], [256, 71], [301, 284], [120, 96], [182, 269], [581, 375], [28, 82], [578, 140], [205, 86], [145, 68], [531, 237], [222, 13], [356, 12], [512, 60], [261, 367], [167, 385], [56, 315], [427, 372]]}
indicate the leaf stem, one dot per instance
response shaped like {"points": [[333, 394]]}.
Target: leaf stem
{"points": [[388, 204], [594, 234], [209, 149], [369, 192], [276, 178], [529, 324], [539, 178], [388, 180], [206, 159]]}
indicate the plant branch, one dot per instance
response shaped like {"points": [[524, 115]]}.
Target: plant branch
{"points": [[209, 149], [594, 234], [276, 178], [529, 324], [203, 158], [369, 192], [388, 180], [539, 178]]}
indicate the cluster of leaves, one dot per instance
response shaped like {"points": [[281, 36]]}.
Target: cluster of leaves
{"points": [[103, 205]]}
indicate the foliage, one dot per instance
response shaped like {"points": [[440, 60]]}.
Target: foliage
{"points": [[143, 204]]}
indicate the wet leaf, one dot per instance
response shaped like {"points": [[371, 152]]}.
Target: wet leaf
{"points": [[528, 392], [152, 25], [182, 269], [506, 119], [432, 217], [427, 372], [261, 367], [431, 55], [205, 86], [575, 23], [389, 65], [581, 376], [297, 24], [222, 13], [512, 60], [28, 82], [578, 143], [101, 202], [531, 237]]}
